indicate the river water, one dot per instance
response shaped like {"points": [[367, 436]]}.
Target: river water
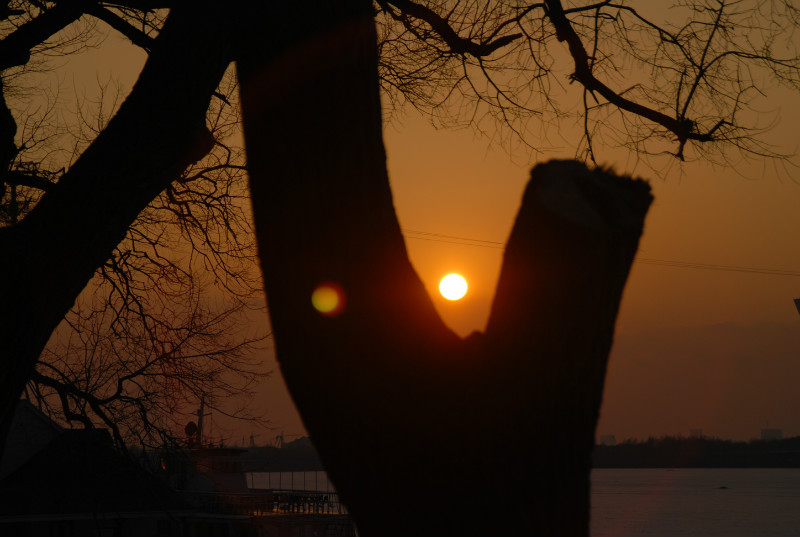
{"points": [[696, 502], [661, 502]]}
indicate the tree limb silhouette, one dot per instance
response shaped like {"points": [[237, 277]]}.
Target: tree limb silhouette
{"points": [[76, 225], [15, 48], [440, 25]]}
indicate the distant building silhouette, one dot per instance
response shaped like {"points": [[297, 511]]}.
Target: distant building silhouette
{"points": [[31, 430], [771, 434], [74, 482], [607, 440], [58, 481]]}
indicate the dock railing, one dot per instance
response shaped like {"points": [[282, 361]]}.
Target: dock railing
{"points": [[263, 502]]}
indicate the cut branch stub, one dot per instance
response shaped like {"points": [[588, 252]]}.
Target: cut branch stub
{"points": [[551, 328]]}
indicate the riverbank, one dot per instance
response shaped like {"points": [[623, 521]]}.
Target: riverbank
{"points": [[678, 452]]}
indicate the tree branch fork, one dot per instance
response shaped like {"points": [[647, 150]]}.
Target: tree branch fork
{"points": [[502, 422]]}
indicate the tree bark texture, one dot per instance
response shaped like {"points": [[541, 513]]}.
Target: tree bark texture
{"points": [[424, 433], [50, 256]]}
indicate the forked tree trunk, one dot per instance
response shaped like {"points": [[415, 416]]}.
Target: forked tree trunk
{"points": [[421, 432]]}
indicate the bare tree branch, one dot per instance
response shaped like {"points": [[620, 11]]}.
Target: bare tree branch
{"points": [[21, 178], [136, 36], [457, 44], [684, 129], [15, 48]]}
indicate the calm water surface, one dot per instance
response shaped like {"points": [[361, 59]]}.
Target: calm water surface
{"points": [[661, 503], [696, 502]]}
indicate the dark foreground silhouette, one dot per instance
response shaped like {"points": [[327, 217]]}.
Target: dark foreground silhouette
{"points": [[491, 435], [499, 428]]}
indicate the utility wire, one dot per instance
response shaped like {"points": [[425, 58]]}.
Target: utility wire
{"points": [[725, 268], [466, 241], [438, 237]]}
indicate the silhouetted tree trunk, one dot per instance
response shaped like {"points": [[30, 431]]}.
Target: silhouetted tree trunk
{"points": [[421, 432], [49, 257]]}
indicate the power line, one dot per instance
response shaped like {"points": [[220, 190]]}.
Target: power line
{"points": [[438, 237], [725, 268], [466, 241]]}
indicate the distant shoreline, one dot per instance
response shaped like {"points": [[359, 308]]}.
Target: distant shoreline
{"points": [[664, 452], [679, 452]]}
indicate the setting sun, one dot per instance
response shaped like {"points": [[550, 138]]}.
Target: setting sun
{"points": [[453, 286]]}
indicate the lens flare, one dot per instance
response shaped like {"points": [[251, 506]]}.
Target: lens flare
{"points": [[328, 299], [453, 286]]}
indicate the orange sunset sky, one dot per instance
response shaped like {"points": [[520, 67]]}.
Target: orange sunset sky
{"points": [[716, 349], [711, 349]]}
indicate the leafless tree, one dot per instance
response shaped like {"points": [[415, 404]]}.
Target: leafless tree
{"points": [[386, 381], [160, 325], [143, 377], [685, 80]]}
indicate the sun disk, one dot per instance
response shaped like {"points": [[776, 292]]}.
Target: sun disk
{"points": [[453, 286]]}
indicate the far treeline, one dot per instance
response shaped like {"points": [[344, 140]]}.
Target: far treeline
{"points": [[678, 452], [664, 452]]}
